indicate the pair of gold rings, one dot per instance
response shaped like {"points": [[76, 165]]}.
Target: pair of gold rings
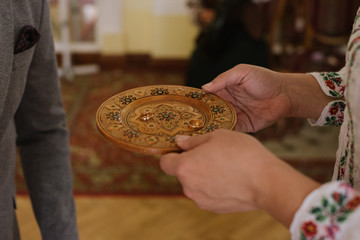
{"points": [[193, 124]]}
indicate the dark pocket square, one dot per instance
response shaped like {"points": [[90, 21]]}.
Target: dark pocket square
{"points": [[27, 38]]}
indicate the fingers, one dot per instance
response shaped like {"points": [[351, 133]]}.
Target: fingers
{"points": [[187, 143], [225, 79], [220, 82], [169, 163]]}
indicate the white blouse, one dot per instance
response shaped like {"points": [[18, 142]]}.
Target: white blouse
{"points": [[333, 210]]}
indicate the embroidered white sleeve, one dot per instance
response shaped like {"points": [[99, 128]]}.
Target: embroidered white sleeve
{"points": [[332, 83], [332, 115], [329, 212]]}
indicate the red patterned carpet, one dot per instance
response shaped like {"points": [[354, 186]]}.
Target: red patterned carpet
{"points": [[100, 167]]}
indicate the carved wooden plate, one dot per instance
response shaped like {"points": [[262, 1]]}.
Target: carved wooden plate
{"points": [[147, 119]]}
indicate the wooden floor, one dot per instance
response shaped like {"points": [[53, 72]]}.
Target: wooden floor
{"points": [[156, 218]]}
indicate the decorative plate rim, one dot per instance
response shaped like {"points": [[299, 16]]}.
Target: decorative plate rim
{"points": [[197, 96]]}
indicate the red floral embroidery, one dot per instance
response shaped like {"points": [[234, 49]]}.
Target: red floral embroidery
{"points": [[353, 203], [336, 197], [335, 115], [309, 229], [333, 110], [331, 212], [330, 84]]}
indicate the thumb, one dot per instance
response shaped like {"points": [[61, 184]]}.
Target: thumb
{"points": [[188, 142], [220, 82], [169, 163], [228, 78]]}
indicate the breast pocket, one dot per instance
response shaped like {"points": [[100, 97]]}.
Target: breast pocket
{"points": [[21, 65], [21, 61]]}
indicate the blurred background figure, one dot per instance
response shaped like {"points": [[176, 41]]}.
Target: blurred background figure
{"points": [[230, 32]]}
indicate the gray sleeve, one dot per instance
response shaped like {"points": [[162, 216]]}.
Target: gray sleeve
{"points": [[43, 142]]}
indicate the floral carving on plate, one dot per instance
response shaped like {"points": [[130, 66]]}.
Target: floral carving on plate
{"points": [[147, 119]]}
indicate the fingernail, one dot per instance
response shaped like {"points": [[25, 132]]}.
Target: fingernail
{"points": [[207, 86]]}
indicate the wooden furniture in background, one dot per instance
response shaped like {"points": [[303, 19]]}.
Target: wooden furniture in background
{"points": [[300, 28]]}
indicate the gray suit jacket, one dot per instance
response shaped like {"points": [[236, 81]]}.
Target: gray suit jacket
{"points": [[32, 116]]}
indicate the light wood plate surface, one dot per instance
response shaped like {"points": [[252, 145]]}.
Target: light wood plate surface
{"points": [[147, 119]]}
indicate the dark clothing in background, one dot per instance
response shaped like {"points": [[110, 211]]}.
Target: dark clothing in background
{"points": [[228, 41]]}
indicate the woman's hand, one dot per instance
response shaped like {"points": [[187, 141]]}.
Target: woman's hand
{"points": [[257, 94], [226, 171], [261, 97]]}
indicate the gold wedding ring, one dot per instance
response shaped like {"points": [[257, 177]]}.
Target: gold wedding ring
{"points": [[146, 117], [196, 124]]}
